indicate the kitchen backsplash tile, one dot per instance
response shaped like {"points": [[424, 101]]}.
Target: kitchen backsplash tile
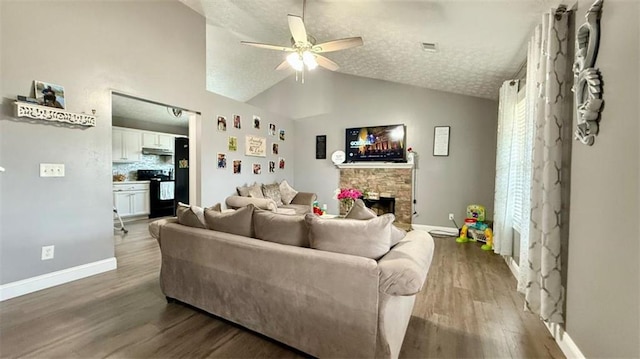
{"points": [[149, 162]]}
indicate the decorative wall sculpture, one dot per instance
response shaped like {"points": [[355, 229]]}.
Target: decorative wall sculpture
{"points": [[587, 80], [36, 112]]}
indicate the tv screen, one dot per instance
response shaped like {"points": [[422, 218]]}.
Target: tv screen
{"points": [[376, 143]]}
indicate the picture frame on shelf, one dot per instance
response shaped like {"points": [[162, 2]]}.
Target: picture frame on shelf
{"points": [[48, 94]]}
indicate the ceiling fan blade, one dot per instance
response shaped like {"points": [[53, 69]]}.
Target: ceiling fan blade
{"points": [[267, 46], [298, 31], [326, 63], [336, 45], [283, 65]]}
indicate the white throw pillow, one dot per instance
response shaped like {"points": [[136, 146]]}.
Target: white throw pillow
{"points": [[287, 193]]}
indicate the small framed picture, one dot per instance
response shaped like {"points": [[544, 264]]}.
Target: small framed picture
{"points": [[281, 135], [441, 140], [236, 122], [272, 129], [233, 143], [222, 123], [274, 148], [272, 166], [321, 147], [281, 163], [49, 94], [222, 160], [256, 122], [257, 168], [237, 166]]}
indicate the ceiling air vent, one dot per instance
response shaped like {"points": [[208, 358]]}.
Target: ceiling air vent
{"points": [[429, 47]]}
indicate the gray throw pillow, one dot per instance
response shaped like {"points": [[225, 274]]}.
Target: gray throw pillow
{"points": [[193, 216], [243, 191], [281, 228], [361, 211], [235, 222], [287, 192], [255, 191], [272, 191], [365, 238]]}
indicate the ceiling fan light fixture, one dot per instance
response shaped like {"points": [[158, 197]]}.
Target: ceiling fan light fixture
{"points": [[309, 60], [295, 60]]}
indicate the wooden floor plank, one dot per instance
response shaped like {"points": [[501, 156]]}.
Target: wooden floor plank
{"points": [[468, 309]]}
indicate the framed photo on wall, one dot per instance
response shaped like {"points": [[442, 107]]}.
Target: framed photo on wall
{"points": [[441, 140], [321, 147]]}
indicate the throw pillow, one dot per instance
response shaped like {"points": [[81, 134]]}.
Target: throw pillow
{"points": [[192, 216], [287, 192], [255, 191], [272, 191], [365, 238], [243, 191], [281, 228], [361, 211], [235, 222]]}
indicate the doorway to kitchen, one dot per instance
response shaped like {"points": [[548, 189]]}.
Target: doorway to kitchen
{"points": [[153, 159]]}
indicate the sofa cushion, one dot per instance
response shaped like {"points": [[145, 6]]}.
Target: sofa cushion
{"points": [[365, 238], [281, 228], [243, 191], [272, 191], [236, 222], [193, 216], [255, 191], [361, 211], [287, 193]]}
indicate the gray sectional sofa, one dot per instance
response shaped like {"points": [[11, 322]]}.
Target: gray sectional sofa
{"points": [[324, 303]]}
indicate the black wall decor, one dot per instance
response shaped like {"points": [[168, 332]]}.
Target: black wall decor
{"points": [[321, 147]]}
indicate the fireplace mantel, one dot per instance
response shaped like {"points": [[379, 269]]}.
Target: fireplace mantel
{"points": [[375, 165]]}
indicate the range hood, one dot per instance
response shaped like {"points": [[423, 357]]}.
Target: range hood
{"points": [[157, 151]]}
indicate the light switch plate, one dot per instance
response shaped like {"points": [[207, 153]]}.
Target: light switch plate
{"points": [[52, 170]]}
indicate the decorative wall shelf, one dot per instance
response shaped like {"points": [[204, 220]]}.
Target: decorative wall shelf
{"points": [[375, 165], [37, 112]]}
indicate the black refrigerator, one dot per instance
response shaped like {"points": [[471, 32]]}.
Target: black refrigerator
{"points": [[181, 156]]}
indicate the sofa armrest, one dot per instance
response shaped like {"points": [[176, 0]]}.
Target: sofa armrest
{"points": [[262, 203], [403, 270], [154, 227], [306, 198]]}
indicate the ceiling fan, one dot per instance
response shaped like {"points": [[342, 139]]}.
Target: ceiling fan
{"points": [[304, 52]]}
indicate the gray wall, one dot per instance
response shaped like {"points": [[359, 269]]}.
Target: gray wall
{"points": [[97, 47], [328, 103], [603, 274]]}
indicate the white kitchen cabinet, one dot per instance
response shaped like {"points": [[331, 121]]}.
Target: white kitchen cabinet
{"points": [[131, 199], [126, 145], [158, 140]]}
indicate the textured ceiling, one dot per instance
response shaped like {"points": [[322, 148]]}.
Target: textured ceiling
{"points": [[134, 109], [480, 43]]}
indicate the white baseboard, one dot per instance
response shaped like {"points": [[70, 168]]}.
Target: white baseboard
{"points": [[515, 268], [427, 228], [34, 284], [566, 344]]}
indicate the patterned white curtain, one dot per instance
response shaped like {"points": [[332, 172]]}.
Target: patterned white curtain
{"points": [[505, 170], [550, 109]]}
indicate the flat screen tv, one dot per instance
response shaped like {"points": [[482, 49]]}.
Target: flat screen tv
{"points": [[376, 143]]}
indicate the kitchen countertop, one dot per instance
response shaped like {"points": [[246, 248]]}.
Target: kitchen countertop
{"points": [[130, 182]]}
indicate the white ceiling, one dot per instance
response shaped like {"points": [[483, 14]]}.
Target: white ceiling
{"points": [[480, 42], [140, 110]]}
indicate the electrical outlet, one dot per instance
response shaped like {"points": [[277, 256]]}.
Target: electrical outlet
{"points": [[451, 216], [47, 252], [52, 170]]}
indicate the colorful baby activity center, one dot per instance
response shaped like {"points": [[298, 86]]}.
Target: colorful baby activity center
{"points": [[475, 228]]}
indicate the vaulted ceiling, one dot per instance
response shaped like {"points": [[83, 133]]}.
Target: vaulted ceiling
{"points": [[480, 43]]}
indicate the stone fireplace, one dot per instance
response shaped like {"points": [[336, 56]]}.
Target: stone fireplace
{"points": [[387, 180]]}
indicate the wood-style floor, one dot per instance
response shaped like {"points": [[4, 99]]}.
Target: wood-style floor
{"points": [[468, 309]]}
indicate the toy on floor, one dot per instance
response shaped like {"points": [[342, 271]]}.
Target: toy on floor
{"points": [[475, 228]]}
